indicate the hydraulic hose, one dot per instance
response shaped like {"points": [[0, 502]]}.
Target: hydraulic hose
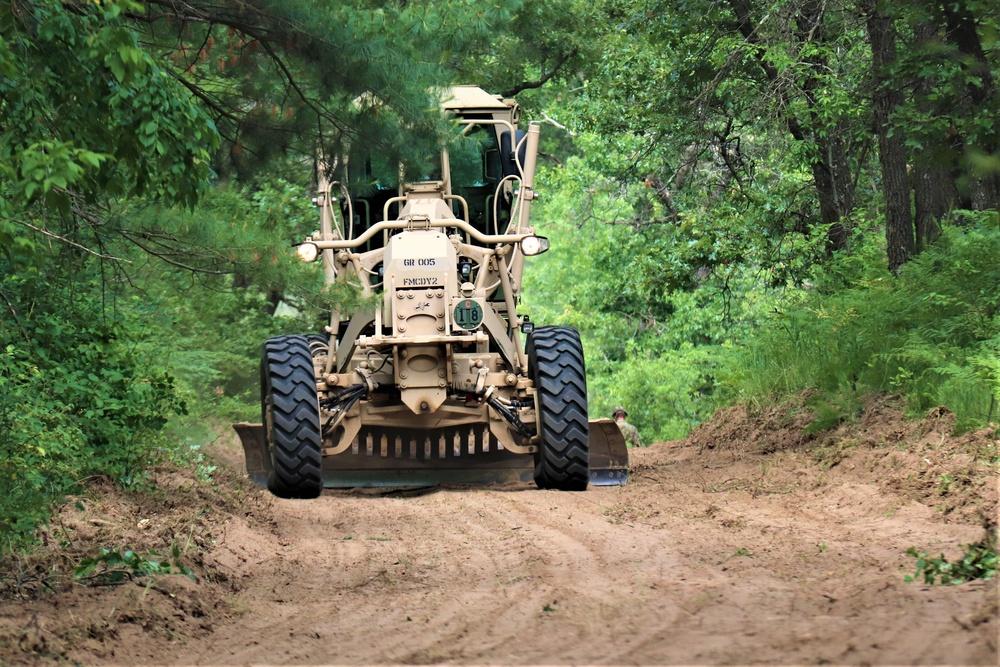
{"points": [[341, 402], [522, 429]]}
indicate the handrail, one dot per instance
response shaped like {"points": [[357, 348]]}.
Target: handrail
{"points": [[392, 200], [386, 225], [461, 200]]}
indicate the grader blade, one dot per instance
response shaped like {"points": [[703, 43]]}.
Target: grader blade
{"points": [[255, 452], [468, 456], [608, 454]]}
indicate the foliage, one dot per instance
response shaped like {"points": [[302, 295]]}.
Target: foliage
{"points": [[715, 134], [667, 393], [726, 155], [114, 567], [208, 327], [978, 562], [75, 398], [88, 112], [931, 335], [653, 332]]}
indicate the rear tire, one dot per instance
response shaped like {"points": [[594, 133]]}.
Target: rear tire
{"points": [[318, 343], [556, 366], [290, 408]]}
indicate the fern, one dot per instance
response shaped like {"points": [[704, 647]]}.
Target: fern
{"points": [[932, 335]]}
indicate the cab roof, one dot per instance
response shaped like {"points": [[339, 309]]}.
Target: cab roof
{"points": [[470, 98]]}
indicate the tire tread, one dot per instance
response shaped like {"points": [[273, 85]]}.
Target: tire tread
{"points": [[288, 382], [556, 363]]}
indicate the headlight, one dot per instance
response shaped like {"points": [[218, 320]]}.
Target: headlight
{"points": [[465, 269], [307, 252], [534, 245]]}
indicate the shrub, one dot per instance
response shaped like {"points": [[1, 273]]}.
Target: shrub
{"points": [[978, 562], [75, 398], [931, 335]]}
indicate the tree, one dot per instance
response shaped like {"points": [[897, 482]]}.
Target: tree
{"points": [[745, 145], [701, 102], [116, 118], [962, 21], [124, 98], [899, 232], [823, 127]]}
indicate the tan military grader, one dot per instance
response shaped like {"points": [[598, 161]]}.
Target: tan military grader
{"points": [[435, 381]]}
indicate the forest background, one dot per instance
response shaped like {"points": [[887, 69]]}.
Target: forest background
{"points": [[749, 201]]}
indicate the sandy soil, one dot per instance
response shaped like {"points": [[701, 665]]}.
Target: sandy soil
{"points": [[746, 543]]}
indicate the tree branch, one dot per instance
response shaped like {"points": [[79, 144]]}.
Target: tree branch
{"points": [[166, 257], [17, 320], [528, 85], [63, 239]]}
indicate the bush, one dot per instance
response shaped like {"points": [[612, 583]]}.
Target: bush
{"points": [[666, 394], [75, 398], [932, 335]]}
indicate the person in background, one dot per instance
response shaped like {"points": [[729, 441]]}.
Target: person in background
{"points": [[630, 432]]}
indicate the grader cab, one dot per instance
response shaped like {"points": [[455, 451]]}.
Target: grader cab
{"points": [[434, 382]]}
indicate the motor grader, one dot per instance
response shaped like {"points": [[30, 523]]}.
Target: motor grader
{"points": [[431, 382]]}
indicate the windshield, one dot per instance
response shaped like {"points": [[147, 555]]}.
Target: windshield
{"points": [[469, 156]]}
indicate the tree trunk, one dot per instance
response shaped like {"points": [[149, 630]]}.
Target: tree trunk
{"points": [[835, 188], [961, 31], [934, 196], [934, 190], [899, 234], [831, 171]]}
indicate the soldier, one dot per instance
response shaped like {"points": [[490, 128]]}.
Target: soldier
{"points": [[630, 432]]}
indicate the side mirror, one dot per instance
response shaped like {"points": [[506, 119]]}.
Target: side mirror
{"points": [[492, 166], [507, 145]]}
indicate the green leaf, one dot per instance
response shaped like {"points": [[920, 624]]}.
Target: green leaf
{"points": [[117, 68]]}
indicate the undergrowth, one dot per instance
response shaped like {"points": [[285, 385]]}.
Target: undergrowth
{"points": [[76, 400], [112, 567], [931, 335]]}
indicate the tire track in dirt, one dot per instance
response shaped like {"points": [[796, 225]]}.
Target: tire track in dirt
{"points": [[701, 559], [717, 552], [578, 579], [492, 573]]}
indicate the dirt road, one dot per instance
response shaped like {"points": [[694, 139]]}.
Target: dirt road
{"points": [[735, 546]]}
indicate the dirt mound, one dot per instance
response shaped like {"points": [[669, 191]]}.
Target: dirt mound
{"points": [[118, 611], [921, 460], [751, 541]]}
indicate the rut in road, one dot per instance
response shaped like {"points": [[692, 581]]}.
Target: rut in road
{"points": [[705, 557], [747, 542]]}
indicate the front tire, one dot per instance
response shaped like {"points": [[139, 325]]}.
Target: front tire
{"points": [[556, 366], [290, 408]]}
